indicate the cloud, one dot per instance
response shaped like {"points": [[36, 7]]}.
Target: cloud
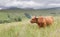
{"points": [[35, 4], [53, 5], [24, 4], [0, 8]]}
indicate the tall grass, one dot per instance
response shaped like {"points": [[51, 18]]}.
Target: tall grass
{"points": [[26, 29]]}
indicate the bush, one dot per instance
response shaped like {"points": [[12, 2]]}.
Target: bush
{"points": [[17, 19], [52, 13], [11, 19], [6, 21], [1, 21], [27, 15], [8, 16]]}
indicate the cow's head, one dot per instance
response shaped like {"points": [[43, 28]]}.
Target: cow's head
{"points": [[34, 19]]}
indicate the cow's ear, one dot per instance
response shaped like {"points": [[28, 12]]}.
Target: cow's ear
{"points": [[34, 16]]}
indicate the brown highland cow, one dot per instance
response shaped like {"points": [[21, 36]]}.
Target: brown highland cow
{"points": [[42, 21]]}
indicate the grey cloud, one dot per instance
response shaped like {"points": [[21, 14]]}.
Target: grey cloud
{"points": [[35, 4]]}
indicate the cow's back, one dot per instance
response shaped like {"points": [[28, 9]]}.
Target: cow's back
{"points": [[49, 20]]}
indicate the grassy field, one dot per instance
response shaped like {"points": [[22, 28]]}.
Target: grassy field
{"points": [[24, 28]]}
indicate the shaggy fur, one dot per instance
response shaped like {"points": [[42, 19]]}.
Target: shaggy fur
{"points": [[42, 21]]}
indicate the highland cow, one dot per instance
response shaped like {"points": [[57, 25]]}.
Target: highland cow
{"points": [[42, 21]]}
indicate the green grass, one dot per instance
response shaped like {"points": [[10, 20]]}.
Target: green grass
{"points": [[20, 13], [24, 28]]}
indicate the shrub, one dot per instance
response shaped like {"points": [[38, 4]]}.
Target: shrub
{"points": [[1, 21], [27, 15], [17, 19], [52, 13], [8, 16], [11, 19], [6, 21]]}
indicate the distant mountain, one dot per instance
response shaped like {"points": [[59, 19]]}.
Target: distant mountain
{"points": [[12, 8], [15, 8], [52, 8], [8, 8]]}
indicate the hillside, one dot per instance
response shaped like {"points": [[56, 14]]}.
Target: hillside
{"points": [[26, 29]]}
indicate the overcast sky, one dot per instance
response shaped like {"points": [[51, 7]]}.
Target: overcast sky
{"points": [[35, 4]]}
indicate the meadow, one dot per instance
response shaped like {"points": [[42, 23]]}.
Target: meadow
{"points": [[24, 28]]}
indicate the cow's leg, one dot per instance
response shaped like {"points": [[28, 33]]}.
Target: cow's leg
{"points": [[44, 25], [39, 25]]}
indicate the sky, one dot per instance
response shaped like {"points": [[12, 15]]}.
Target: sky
{"points": [[35, 4]]}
